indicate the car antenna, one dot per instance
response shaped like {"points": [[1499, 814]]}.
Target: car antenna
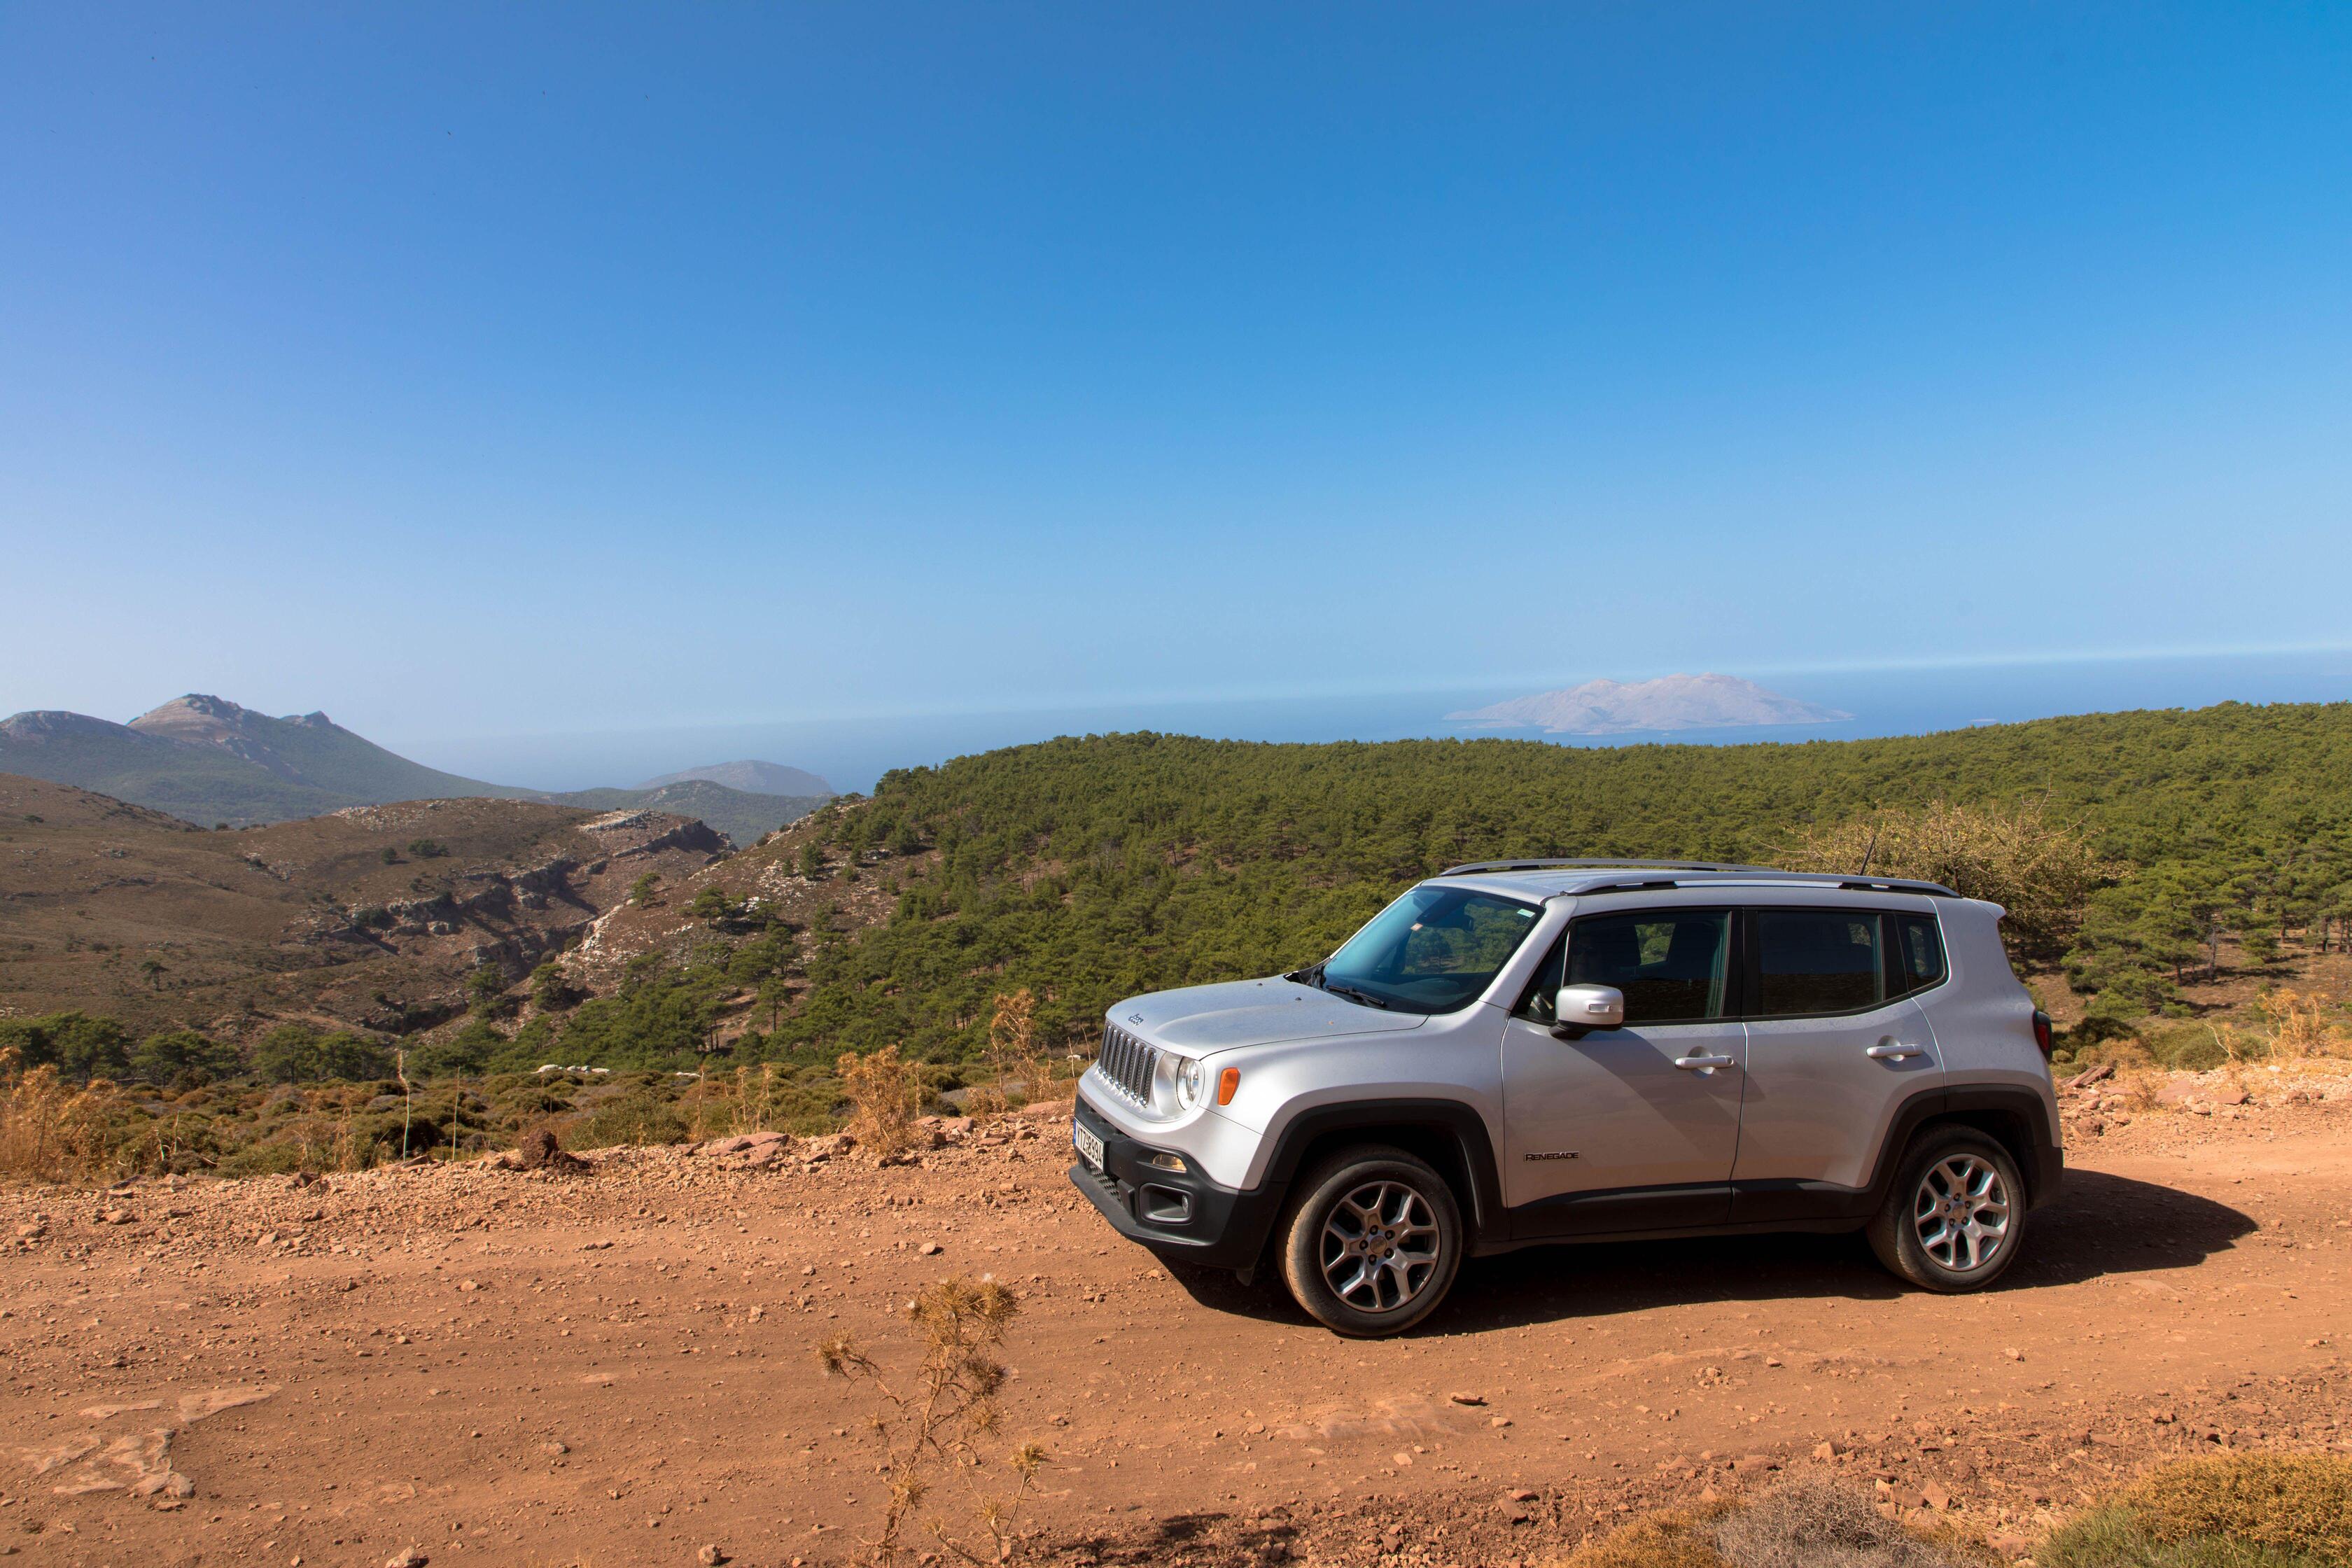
{"points": [[1867, 853]]}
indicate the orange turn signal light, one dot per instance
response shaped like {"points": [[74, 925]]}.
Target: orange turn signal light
{"points": [[1228, 1082]]}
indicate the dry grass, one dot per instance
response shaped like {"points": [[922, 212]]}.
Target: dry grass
{"points": [[53, 1131], [2300, 1026]]}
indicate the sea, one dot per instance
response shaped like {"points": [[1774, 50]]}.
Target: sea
{"points": [[853, 754]]}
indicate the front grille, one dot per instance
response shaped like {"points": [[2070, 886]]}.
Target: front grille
{"points": [[1128, 1063]]}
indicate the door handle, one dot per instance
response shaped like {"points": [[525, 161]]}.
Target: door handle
{"points": [[1891, 1049], [1700, 1062]]}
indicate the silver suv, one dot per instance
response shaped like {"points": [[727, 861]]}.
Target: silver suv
{"points": [[1523, 1052]]}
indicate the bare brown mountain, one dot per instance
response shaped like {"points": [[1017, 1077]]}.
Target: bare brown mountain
{"points": [[371, 916], [207, 760]]}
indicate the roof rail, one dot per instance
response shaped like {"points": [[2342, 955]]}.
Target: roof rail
{"points": [[1610, 863], [1896, 885], [1769, 875]]}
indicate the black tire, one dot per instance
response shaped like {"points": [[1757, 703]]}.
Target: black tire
{"points": [[1390, 1215], [1954, 1219]]}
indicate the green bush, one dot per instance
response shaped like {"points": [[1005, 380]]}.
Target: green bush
{"points": [[2238, 1510]]}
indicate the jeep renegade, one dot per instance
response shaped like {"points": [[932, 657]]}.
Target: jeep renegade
{"points": [[1525, 1052]]}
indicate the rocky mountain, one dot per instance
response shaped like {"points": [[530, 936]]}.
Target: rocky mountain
{"points": [[207, 760], [371, 916], [310, 748], [753, 778], [1668, 703]]}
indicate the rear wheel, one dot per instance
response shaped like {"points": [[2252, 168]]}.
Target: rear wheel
{"points": [[1372, 1242], [1955, 1217]]}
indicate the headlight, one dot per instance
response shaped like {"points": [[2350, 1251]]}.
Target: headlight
{"points": [[1192, 1084]]}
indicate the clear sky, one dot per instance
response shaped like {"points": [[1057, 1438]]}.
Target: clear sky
{"points": [[480, 368]]}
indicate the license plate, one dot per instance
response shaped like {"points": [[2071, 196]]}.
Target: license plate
{"points": [[1090, 1147]]}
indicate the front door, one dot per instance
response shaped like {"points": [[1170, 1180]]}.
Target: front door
{"points": [[1834, 1049], [1635, 1127]]}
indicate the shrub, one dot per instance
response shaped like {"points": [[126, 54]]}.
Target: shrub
{"points": [[2239, 1510], [2042, 872], [1811, 1524], [635, 1117], [1666, 1540]]}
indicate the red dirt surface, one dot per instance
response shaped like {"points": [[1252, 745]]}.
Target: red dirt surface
{"points": [[483, 1366]]}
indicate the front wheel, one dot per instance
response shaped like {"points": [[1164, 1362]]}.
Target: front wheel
{"points": [[1372, 1243], [1955, 1217]]}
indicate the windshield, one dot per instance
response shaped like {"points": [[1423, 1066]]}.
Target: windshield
{"points": [[1433, 951]]}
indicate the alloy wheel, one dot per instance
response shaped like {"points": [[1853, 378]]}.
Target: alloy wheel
{"points": [[1379, 1245], [1961, 1212]]}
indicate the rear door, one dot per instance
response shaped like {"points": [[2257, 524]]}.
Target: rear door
{"points": [[1635, 1127], [1835, 1045]]}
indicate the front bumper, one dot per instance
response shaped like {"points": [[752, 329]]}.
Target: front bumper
{"points": [[1185, 1218]]}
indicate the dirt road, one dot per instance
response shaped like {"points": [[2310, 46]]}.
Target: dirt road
{"points": [[487, 1366]]}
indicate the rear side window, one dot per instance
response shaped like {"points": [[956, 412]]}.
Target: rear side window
{"points": [[1918, 953], [1817, 960], [1670, 964]]}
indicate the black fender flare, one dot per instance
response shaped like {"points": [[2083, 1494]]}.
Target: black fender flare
{"points": [[1991, 1109], [1418, 1125]]}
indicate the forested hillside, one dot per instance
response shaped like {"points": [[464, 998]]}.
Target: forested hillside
{"points": [[1090, 868], [1086, 869]]}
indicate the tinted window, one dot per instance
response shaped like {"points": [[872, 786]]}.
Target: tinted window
{"points": [[1433, 951], [1816, 961], [1919, 951], [1670, 964]]}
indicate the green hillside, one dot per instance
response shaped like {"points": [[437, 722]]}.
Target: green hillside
{"points": [[1091, 868]]}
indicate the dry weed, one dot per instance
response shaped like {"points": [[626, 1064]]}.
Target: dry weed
{"points": [[1014, 1057], [883, 1095], [931, 1424]]}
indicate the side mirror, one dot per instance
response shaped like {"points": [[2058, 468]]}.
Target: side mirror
{"points": [[1583, 1008]]}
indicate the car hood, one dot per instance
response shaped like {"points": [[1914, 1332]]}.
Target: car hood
{"points": [[1200, 1019]]}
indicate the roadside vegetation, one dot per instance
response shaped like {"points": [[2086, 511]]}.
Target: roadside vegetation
{"points": [[2260, 1510]]}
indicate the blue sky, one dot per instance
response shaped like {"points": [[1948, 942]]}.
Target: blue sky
{"points": [[477, 370]]}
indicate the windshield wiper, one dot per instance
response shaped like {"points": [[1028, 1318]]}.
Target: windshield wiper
{"points": [[1364, 999]]}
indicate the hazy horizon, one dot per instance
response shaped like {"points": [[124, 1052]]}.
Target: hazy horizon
{"points": [[851, 752]]}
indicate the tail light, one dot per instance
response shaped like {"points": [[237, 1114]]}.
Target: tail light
{"points": [[2042, 1035]]}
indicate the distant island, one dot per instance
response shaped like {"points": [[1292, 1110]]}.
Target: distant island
{"points": [[1669, 702]]}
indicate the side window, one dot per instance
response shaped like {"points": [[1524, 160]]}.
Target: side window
{"points": [[1670, 964], [1539, 1001], [1816, 961], [1919, 951]]}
